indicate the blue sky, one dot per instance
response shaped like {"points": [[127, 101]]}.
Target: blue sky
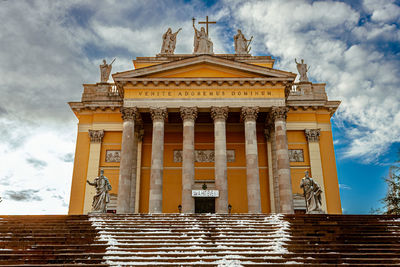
{"points": [[50, 48]]}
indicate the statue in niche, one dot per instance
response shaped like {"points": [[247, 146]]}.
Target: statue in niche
{"points": [[105, 70], [202, 44], [169, 41], [242, 45], [102, 197], [302, 69], [312, 193]]}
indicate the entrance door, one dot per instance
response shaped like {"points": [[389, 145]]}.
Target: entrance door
{"points": [[204, 205]]}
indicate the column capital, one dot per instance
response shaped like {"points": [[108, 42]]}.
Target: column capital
{"points": [[188, 113], [279, 113], [312, 134], [159, 114], [249, 113], [219, 113], [96, 136], [129, 114]]}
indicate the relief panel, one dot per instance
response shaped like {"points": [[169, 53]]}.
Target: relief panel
{"points": [[204, 155]]}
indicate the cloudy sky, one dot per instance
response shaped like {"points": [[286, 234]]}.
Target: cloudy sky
{"points": [[48, 49]]}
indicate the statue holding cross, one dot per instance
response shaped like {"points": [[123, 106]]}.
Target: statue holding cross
{"points": [[202, 43]]}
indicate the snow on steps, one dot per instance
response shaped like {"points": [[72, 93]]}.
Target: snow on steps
{"points": [[193, 240]]}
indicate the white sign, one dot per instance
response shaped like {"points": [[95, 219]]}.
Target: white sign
{"points": [[205, 193]]}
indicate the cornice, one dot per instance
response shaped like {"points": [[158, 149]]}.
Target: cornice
{"points": [[307, 105], [122, 82], [82, 106]]}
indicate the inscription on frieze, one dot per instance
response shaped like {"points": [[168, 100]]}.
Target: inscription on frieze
{"points": [[205, 155], [113, 155], [296, 155]]}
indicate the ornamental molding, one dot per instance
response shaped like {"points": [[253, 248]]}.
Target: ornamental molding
{"points": [[129, 114], [219, 113], [312, 134], [188, 113], [248, 82], [279, 113], [96, 136], [249, 113], [159, 114]]}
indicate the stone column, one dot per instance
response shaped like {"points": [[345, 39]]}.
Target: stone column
{"points": [[282, 156], [219, 115], [249, 116], [189, 116], [128, 149], [268, 137], [96, 136], [315, 161], [158, 116]]}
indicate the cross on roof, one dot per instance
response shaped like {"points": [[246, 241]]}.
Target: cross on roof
{"points": [[207, 22]]}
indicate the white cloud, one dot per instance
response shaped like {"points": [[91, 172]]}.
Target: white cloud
{"points": [[383, 10], [327, 35], [344, 187], [36, 177]]}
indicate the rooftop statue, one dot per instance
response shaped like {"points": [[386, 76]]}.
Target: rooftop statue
{"points": [[102, 197], [202, 44], [169, 41], [312, 194], [302, 69], [242, 45], [105, 70]]}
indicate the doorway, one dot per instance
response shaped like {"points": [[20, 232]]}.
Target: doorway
{"points": [[204, 205]]}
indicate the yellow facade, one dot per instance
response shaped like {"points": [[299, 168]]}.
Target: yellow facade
{"points": [[109, 120]]}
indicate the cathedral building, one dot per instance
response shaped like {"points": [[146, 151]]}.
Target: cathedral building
{"points": [[204, 132]]}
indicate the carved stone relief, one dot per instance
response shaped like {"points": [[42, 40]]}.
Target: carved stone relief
{"points": [[203, 155], [113, 155], [296, 155]]}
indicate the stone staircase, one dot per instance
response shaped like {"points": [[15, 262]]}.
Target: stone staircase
{"points": [[199, 240]]}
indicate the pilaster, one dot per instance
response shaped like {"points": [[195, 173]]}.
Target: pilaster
{"points": [[96, 137], [268, 134], [315, 161], [140, 133]]}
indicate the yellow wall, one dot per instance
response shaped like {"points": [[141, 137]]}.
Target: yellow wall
{"points": [[330, 173], [202, 70], [79, 173], [297, 140]]}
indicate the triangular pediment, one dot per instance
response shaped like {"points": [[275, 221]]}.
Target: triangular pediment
{"points": [[204, 66]]}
